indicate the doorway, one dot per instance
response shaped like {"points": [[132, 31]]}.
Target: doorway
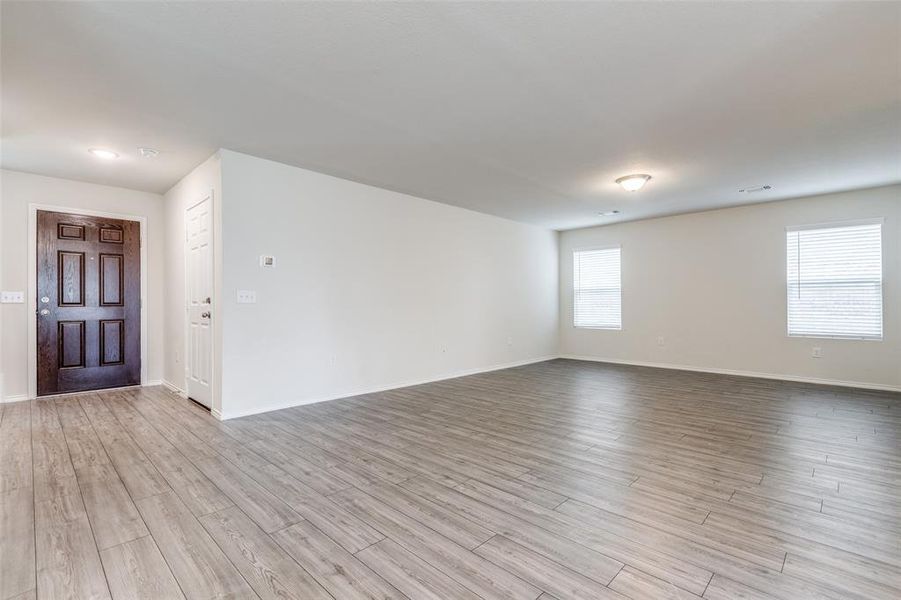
{"points": [[199, 301], [88, 302]]}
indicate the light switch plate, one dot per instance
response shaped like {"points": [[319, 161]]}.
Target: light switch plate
{"points": [[247, 297], [12, 297], [267, 261]]}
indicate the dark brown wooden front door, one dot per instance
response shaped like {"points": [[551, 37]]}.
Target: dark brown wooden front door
{"points": [[88, 303]]}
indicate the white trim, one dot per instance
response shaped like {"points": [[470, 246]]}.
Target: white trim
{"points": [[83, 392], [20, 397], [601, 247], [373, 390], [174, 388], [836, 224], [31, 292], [737, 373], [15, 398]]}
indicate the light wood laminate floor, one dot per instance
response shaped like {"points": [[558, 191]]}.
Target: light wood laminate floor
{"points": [[562, 479]]}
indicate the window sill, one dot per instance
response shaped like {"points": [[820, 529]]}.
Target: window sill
{"points": [[852, 338]]}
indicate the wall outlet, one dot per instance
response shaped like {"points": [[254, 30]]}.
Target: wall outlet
{"points": [[12, 297], [247, 297], [817, 352], [660, 340]]}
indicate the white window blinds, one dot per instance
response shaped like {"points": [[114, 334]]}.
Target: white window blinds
{"points": [[835, 281], [597, 291]]}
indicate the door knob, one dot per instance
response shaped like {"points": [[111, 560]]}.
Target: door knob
{"points": [[44, 312], [205, 315]]}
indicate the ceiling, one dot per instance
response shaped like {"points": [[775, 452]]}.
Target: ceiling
{"points": [[524, 110]]}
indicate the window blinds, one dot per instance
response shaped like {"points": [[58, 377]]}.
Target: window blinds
{"points": [[835, 281], [597, 293]]}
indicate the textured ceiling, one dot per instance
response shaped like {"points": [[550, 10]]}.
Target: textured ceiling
{"points": [[524, 110]]}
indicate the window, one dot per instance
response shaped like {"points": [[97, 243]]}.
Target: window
{"points": [[835, 281], [597, 293]]}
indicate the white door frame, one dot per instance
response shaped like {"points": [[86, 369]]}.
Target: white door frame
{"points": [[213, 320], [31, 292]]}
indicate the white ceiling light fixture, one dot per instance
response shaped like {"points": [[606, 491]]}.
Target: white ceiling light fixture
{"points": [[103, 153], [609, 213], [633, 183], [148, 152]]}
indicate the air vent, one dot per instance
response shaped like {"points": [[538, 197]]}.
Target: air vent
{"points": [[755, 189]]}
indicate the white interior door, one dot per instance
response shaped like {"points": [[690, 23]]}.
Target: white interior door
{"points": [[199, 300]]}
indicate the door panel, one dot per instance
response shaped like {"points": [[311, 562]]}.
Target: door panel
{"points": [[71, 278], [71, 344], [198, 297], [112, 342], [88, 308], [112, 279]]}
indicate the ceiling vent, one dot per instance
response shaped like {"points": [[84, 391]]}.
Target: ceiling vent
{"points": [[755, 189]]}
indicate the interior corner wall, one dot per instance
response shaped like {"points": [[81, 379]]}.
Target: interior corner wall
{"points": [[191, 189], [712, 284], [372, 289], [17, 191]]}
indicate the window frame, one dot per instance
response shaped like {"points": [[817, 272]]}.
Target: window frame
{"points": [[835, 225], [573, 286]]}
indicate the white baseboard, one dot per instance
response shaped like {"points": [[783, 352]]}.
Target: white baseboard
{"points": [[14, 398], [757, 374], [21, 397], [358, 392], [171, 386]]}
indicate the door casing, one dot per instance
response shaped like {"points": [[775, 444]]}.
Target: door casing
{"points": [[31, 292]]}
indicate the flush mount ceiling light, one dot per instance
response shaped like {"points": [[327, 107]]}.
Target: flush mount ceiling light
{"points": [[633, 183], [148, 152], [609, 213], [104, 154]]}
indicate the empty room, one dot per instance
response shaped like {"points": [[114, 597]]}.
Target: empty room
{"points": [[450, 300]]}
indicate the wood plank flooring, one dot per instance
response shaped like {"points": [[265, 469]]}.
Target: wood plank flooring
{"points": [[557, 480]]}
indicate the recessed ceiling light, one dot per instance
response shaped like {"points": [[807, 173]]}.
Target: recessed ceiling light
{"points": [[609, 213], [633, 183], [104, 154], [148, 152]]}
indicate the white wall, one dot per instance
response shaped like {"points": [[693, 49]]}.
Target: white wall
{"points": [[193, 188], [373, 289], [18, 190], [713, 285]]}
